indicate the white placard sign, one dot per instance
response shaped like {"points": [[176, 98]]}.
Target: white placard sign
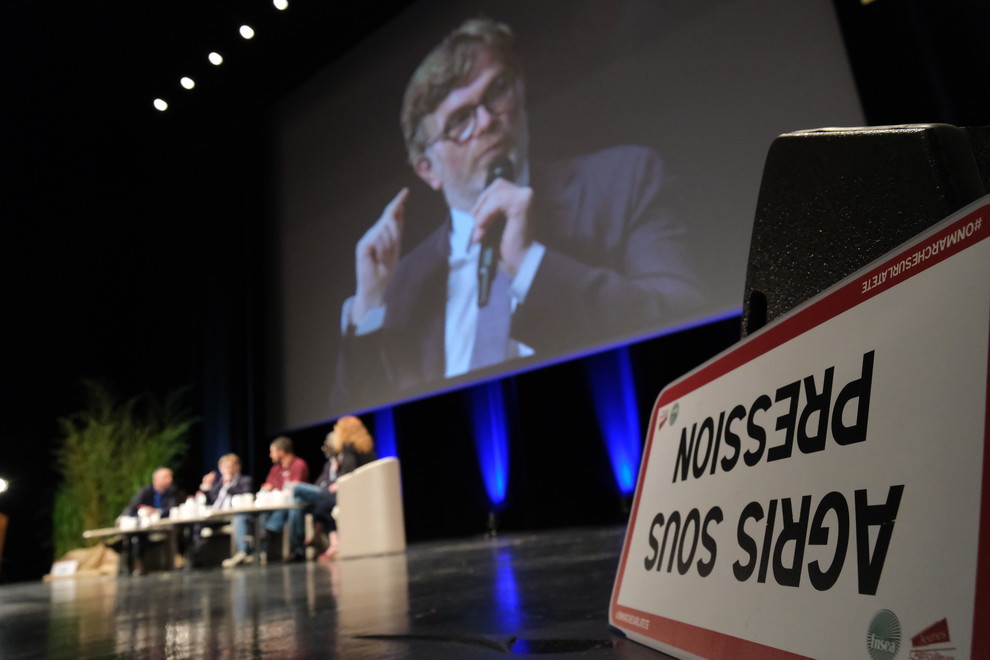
{"points": [[816, 490], [64, 568]]}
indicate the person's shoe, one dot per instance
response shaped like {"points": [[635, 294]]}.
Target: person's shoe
{"points": [[263, 558], [236, 560], [333, 546], [319, 532], [294, 557]]}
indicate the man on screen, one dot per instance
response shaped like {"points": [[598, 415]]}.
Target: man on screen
{"points": [[583, 251]]}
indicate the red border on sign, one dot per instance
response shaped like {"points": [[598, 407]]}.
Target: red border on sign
{"points": [[701, 641], [858, 288]]}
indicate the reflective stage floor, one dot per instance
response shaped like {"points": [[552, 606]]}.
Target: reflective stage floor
{"points": [[540, 594]]}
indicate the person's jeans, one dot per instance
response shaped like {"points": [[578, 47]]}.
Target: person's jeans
{"points": [[275, 522], [318, 501], [242, 529]]}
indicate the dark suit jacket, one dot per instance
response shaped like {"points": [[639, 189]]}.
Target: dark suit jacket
{"points": [[615, 261], [146, 496], [241, 485], [323, 504], [351, 459]]}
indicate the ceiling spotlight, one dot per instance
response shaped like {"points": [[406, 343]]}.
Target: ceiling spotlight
{"points": [[187, 82], [247, 31], [281, 4], [215, 58], [4, 485], [160, 105]]}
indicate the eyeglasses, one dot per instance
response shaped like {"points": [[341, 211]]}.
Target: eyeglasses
{"points": [[499, 97]]}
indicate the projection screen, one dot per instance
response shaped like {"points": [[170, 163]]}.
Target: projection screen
{"points": [[635, 133]]}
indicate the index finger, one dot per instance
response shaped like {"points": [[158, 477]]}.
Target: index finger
{"points": [[396, 208]]}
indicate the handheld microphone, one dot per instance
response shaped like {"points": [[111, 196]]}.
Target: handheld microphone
{"points": [[501, 168]]}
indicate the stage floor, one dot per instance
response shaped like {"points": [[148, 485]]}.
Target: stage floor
{"points": [[542, 593]]}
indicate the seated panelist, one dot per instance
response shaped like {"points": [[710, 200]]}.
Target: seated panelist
{"points": [[347, 447], [222, 484], [157, 497], [219, 487], [287, 469]]}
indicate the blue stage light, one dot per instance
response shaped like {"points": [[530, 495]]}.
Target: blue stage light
{"points": [[385, 433], [618, 418], [491, 439]]}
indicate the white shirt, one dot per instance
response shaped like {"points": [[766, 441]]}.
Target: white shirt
{"points": [[220, 502], [462, 295], [461, 318]]}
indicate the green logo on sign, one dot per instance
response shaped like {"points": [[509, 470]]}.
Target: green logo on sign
{"points": [[673, 413], [883, 637]]}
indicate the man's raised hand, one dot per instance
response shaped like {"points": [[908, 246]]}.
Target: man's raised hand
{"points": [[376, 257], [503, 199]]}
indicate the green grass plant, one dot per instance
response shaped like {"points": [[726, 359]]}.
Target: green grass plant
{"points": [[107, 451]]}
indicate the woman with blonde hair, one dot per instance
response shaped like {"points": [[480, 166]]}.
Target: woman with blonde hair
{"points": [[347, 447]]}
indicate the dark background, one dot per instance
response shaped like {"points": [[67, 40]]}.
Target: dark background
{"points": [[131, 239]]}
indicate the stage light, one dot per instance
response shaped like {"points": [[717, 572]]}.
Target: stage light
{"points": [[4, 485], [160, 105], [247, 31], [491, 440], [216, 59], [618, 418], [385, 433], [281, 4], [187, 82]]}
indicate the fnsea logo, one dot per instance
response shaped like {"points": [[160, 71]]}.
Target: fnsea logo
{"points": [[883, 637]]}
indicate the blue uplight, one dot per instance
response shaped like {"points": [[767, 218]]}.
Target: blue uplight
{"points": [[491, 439], [618, 418], [385, 433]]}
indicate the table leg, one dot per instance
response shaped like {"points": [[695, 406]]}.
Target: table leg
{"points": [[126, 556], [189, 537], [172, 550]]}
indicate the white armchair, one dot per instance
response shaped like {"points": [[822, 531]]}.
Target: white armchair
{"points": [[369, 510]]}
